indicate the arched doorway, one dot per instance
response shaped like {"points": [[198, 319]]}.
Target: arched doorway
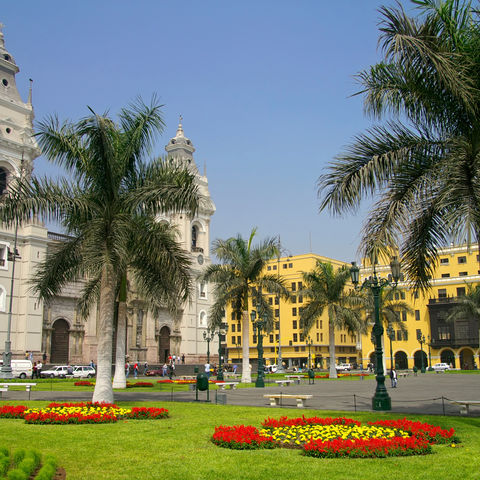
{"points": [[164, 344], [401, 361], [447, 356], [60, 341], [3, 180], [466, 359], [417, 359]]}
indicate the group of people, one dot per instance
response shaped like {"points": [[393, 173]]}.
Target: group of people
{"points": [[37, 369], [135, 369]]}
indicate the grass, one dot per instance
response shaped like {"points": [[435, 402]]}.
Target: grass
{"points": [[180, 448]]}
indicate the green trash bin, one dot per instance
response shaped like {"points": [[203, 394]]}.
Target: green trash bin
{"points": [[202, 382], [311, 376]]}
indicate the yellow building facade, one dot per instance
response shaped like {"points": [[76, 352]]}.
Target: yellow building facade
{"points": [[455, 343]]}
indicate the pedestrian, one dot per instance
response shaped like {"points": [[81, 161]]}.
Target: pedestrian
{"points": [[30, 356], [127, 370], [135, 370], [69, 370], [207, 369], [39, 369], [92, 363], [34, 370], [145, 368], [393, 377], [183, 358], [235, 366], [44, 357], [164, 370]]}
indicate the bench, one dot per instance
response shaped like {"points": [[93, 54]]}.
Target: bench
{"points": [[403, 374], [28, 387], [465, 405], [283, 383], [233, 385], [296, 377], [275, 399]]}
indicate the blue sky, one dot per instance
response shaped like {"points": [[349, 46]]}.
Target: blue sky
{"points": [[264, 88]]}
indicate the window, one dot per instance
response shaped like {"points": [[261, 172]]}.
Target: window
{"points": [[3, 180], [234, 340], [402, 294], [300, 285], [233, 315], [462, 259], [397, 296], [269, 267], [295, 337], [274, 267], [277, 337], [233, 328], [460, 291], [194, 236], [444, 261], [300, 310], [202, 319], [419, 333], [442, 293], [294, 286], [270, 301], [277, 325], [294, 324], [294, 311], [290, 265], [415, 295], [417, 314], [445, 275], [296, 349], [405, 335], [293, 299], [321, 337], [463, 274], [300, 298], [3, 255], [271, 338], [254, 339], [399, 335], [239, 327], [443, 333], [284, 265], [318, 337], [301, 337], [404, 316], [276, 300], [202, 290], [277, 312]]}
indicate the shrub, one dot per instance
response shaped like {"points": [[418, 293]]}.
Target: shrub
{"points": [[49, 468], [17, 475], [18, 456], [4, 465]]}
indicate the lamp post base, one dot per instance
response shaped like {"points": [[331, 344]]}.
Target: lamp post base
{"points": [[381, 402], [259, 383]]}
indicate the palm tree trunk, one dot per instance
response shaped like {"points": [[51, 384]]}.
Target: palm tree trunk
{"points": [[331, 349], [119, 379], [246, 369], [103, 387]]}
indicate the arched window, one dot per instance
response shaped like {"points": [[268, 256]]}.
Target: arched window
{"points": [[202, 319], [194, 236], [3, 180]]}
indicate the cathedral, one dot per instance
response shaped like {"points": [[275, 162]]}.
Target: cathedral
{"points": [[55, 329]]}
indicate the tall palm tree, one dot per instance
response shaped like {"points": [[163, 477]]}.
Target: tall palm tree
{"points": [[106, 205], [239, 277], [467, 305], [423, 164], [325, 288]]}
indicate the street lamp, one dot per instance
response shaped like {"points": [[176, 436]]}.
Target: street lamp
{"points": [[221, 331], [429, 354], [6, 369], [421, 340], [309, 343], [391, 336], [259, 324], [381, 400], [208, 337]]}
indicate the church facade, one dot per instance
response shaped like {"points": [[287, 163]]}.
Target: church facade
{"points": [[55, 329]]}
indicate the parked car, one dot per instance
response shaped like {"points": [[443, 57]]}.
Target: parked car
{"points": [[83, 371], [441, 366], [60, 371], [343, 367], [20, 368]]}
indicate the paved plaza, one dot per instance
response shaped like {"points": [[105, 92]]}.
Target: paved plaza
{"points": [[423, 394]]}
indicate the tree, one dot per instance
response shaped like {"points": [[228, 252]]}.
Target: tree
{"points": [[239, 277], [324, 287], [467, 305], [107, 207], [423, 164]]}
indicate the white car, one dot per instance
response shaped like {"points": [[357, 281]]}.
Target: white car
{"points": [[81, 371], [441, 366], [60, 371], [343, 367]]}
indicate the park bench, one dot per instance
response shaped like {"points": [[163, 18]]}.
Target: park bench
{"points": [[28, 387], [284, 383], [465, 405], [233, 385], [275, 399], [297, 378], [403, 374]]}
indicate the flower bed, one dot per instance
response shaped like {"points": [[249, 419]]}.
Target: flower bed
{"points": [[84, 383], [336, 437], [81, 413], [139, 384]]}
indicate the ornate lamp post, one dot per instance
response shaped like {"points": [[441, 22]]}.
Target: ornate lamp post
{"points": [[6, 369], [309, 343], [221, 332], [208, 337], [259, 324], [421, 340], [391, 336], [381, 400], [429, 354]]}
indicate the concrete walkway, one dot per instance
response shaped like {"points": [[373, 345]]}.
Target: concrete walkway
{"points": [[424, 394]]}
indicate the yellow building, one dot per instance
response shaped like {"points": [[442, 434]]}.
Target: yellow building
{"points": [[455, 343], [288, 333]]}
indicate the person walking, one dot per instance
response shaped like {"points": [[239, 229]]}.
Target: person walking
{"points": [[135, 370], [164, 370], [127, 370], [145, 368], [34, 370], [393, 377], [39, 369]]}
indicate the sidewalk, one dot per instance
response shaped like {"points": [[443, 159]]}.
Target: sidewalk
{"points": [[424, 394]]}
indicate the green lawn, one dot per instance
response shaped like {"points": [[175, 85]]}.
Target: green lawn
{"points": [[180, 448]]}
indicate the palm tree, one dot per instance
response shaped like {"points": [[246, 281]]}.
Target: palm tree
{"points": [[467, 305], [107, 206], [240, 276], [423, 163], [324, 287]]}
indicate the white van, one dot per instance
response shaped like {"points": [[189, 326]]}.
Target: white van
{"points": [[20, 368]]}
